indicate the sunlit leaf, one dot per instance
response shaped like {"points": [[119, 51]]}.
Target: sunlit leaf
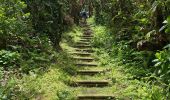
{"points": [[158, 64]]}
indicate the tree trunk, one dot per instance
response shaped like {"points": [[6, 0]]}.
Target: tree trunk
{"points": [[3, 44], [75, 11], [90, 9]]}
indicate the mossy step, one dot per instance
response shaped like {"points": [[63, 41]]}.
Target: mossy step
{"points": [[96, 97], [84, 50], [87, 28], [89, 72], [86, 64], [95, 68], [95, 90], [88, 59], [82, 46], [81, 54], [89, 77], [92, 83], [89, 32], [90, 36], [83, 43], [85, 40]]}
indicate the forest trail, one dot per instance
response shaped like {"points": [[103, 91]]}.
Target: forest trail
{"points": [[122, 53], [88, 69]]}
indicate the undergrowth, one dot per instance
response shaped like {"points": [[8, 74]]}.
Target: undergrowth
{"points": [[45, 85], [44, 75], [134, 74]]}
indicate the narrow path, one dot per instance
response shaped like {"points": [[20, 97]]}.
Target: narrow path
{"points": [[85, 79]]}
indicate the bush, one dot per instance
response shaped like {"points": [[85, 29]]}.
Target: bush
{"points": [[49, 85], [162, 64], [13, 22], [9, 59], [8, 90], [101, 37]]}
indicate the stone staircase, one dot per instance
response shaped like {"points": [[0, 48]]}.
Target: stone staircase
{"points": [[84, 58]]}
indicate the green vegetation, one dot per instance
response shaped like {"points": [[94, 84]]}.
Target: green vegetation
{"points": [[129, 79], [131, 40], [30, 34], [134, 35], [48, 81]]}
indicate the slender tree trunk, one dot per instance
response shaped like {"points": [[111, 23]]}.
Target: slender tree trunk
{"points": [[57, 44], [90, 9], [3, 43], [75, 11]]}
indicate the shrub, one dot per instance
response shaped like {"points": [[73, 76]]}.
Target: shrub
{"points": [[168, 24], [162, 64], [101, 37], [8, 90], [13, 21], [9, 59]]}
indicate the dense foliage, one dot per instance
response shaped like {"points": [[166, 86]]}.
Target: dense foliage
{"points": [[135, 33], [32, 30], [48, 18], [138, 33], [30, 36]]}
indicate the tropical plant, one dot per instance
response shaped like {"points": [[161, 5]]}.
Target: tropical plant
{"points": [[162, 64], [168, 25]]}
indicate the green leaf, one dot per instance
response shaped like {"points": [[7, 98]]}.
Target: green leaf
{"points": [[158, 55], [168, 25], [155, 60], [158, 64], [167, 46]]}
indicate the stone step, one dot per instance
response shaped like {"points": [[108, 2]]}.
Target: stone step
{"points": [[88, 59], [96, 97], [92, 83], [82, 46], [83, 54], [84, 40], [87, 29], [86, 64], [85, 50], [88, 35], [83, 43], [89, 72], [88, 32], [88, 38]]}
